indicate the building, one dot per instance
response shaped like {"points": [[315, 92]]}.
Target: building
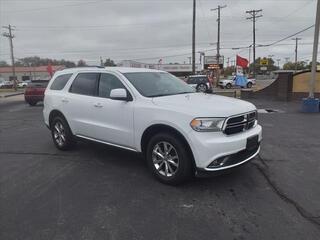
{"points": [[27, 73], [175, 69]]}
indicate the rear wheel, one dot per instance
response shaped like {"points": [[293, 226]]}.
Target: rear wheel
{"points": [[228, 86], [61, 134], [32, 103], [168, 159]]}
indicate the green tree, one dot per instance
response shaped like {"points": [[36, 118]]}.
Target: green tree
{"points": [[37, 61], [81, 63], [109, 63], [301, 65], [270, 67], [3, 64]]}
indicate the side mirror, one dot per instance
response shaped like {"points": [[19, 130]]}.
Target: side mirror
{"points": [[119, 94]]}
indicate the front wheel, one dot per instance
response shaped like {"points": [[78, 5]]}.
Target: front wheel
{"points": [[228, 86], [249, 85], [202, 87], [168, 159], [61, 134]]}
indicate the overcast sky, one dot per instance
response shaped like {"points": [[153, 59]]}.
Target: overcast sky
{"points": [[148, 30]]}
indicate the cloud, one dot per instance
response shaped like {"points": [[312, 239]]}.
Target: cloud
{"points": [[137, 29]]}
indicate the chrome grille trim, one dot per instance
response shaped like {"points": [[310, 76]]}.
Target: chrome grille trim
{"points": [[248, 122]]}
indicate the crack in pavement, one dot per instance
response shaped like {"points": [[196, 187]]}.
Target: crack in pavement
{"points": [[304, 213], [37, 153]]}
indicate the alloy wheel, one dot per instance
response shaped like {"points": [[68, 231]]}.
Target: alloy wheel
{"points": [[165, 159], [59, 134]]}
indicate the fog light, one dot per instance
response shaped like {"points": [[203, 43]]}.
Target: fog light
{"points": [[219, 162]]}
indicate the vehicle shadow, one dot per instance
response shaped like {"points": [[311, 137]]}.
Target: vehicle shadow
{"points": [[124, 162]]}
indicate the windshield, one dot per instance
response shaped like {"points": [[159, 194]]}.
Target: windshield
{"points": [[156, 84]]}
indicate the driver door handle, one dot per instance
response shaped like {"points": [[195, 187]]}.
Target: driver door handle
{"points": [[64, 100]]}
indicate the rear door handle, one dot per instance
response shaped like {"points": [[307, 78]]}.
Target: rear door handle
{"points": [[98, 105], [64, 100]]}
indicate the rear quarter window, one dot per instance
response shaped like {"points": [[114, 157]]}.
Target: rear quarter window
{"points": [[60, 82]]}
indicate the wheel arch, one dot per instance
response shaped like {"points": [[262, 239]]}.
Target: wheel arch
{"points": [[54, 113], [159, 128]]}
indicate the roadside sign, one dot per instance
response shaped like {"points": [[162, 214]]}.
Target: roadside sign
{"points": [[212, 62], [263, 68], [264, 61]]}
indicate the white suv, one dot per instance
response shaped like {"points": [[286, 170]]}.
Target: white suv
{"points": [[179, 131]]}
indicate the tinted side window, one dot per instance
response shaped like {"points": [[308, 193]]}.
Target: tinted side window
{"points": [[191, 81], [60, 82], [107, 83], [85, 83]]}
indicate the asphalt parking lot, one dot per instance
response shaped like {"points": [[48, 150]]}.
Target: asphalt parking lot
{"points": [[98, 192]]}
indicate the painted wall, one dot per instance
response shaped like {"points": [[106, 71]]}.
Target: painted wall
{"points": [[301, 82]]}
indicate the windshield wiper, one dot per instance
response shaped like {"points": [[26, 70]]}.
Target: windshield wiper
{"points": [[159, 95], [168, 94], [183, 93]]}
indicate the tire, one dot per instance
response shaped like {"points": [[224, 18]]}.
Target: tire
{"points": [[176, 166], [61, 134], [32, 103], [202, 87], [249, 85], [228, 86]]}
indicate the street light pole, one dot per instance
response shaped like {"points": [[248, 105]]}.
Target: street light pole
{"points": [[315, 51]]}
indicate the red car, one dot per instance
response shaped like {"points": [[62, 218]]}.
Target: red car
{"points": [[34, 92]]}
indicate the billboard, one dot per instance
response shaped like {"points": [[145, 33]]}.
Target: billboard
{"points": [[213, 62]]}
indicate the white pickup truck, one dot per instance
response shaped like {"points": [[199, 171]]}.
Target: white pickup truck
{"points": [[231, 82]]}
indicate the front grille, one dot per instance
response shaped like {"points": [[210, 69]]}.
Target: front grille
{"points": [[240, 123]]}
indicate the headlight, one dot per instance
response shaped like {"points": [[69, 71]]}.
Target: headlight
{"points": [[207, 124]]}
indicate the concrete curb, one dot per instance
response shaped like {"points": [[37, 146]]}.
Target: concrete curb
{"points": [[11, 95]]}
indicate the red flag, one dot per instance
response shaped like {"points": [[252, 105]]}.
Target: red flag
{"points": [[50, 69], [242, 62]]}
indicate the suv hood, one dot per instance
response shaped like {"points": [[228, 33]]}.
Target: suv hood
{"points": [[204, 105]]}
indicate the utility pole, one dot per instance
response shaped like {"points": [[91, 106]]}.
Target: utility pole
{"points": [[228, 61], [278, 60], [296, 52], [315, 51], [194, 38], [10, 36], [254, 15], [218, 42], [101, 62]]}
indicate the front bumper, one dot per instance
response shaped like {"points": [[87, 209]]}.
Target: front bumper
{"points": [[231, 150]]}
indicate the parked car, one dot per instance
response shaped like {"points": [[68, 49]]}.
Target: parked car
{"points": [[180, 132], [231, 82], [6, 84], [34, 91], [23, 84], [200, 82]]}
